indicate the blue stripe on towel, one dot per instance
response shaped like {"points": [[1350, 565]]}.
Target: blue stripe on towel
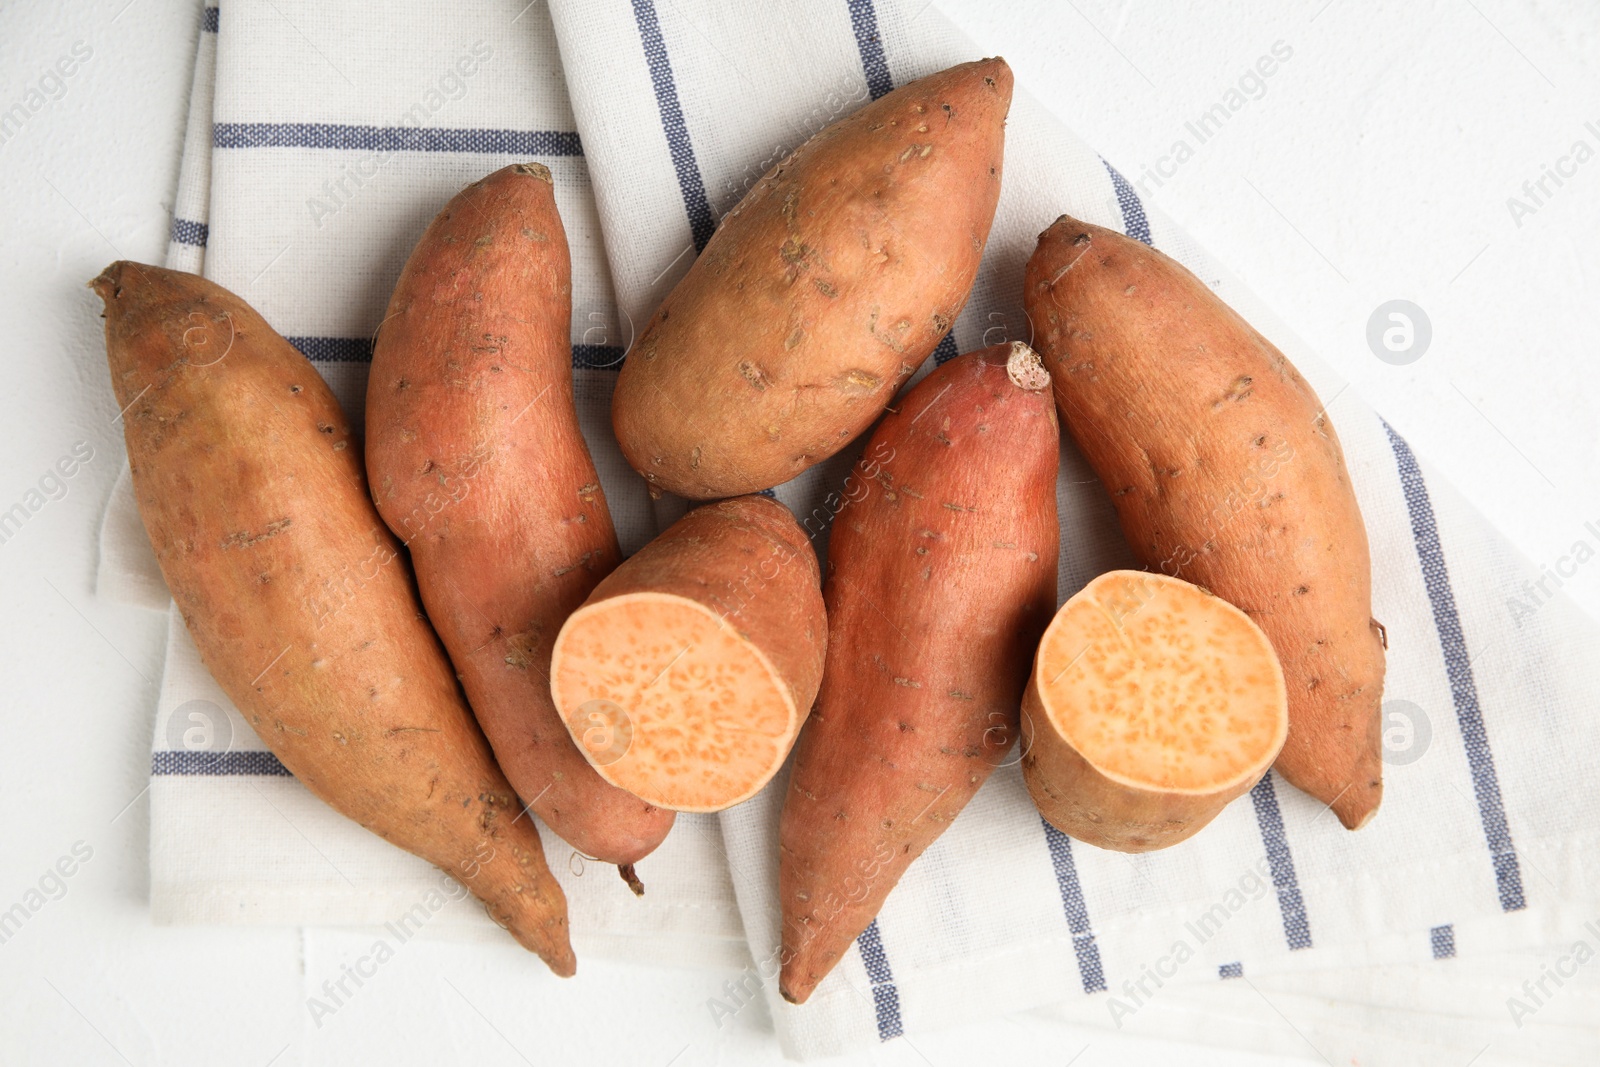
{"points": [[394, 138], [1134, 222], [189, 232], [208, 20], [1089, 968], [701, 221], [1296, 929], [946, 350], [864, 20], [884, 995], [334, 349], [1442, 939], [359, 350], [1458, 667], [597, 357], [217, 764]]}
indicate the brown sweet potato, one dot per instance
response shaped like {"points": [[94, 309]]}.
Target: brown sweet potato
{"points": [[478, 465], [820, 293], [301, 604], [1224, 471], [1152, 704], [685, 677], [941, 576]]}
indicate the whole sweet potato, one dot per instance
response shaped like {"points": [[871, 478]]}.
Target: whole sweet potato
{"points": [[301, 604], [941, 576], [1225, 471], [820, 293], [686, 675], [477, 463]]}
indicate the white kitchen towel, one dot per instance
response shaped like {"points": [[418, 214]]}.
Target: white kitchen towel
{"points": [[310, 171], [320, 183], [1490, 816], [128, 571], [1438, 1014]]}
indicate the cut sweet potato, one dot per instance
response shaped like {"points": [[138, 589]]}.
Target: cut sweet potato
{"points": [[686, 675], [1152, 704], [941, 576]]}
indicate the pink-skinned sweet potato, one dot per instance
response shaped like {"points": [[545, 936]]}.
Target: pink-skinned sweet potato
{"points": [[477, 463], [300, 602], [820, 293], [941, 577]]}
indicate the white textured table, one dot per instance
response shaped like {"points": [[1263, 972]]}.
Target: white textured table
{"points": [[1374, 163]]}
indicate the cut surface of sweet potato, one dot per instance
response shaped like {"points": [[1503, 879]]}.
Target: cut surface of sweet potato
{"points": [[671, 704], [1152, 704], [685, 677]]}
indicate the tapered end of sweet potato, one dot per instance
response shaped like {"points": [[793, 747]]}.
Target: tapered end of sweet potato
{"points": [[108, 285], [807, 960], [158, 320], [802, 970], [1360, 811], [1060, 245], [533, 170], [1354, 794], [813, 947], [996, 75], [520, 895], [1335, 751], [155, 285]]}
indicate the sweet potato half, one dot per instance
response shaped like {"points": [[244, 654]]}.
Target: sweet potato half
{"points": [[299, 600], [477, 463], [1151, 705], [941, 576], [820, 293], [1225, 471], [686, 675]]}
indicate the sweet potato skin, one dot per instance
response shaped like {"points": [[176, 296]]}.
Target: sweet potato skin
{"points": [[301, 604], [478, 464], [747, 560], [941, 578], [820, 293], [1078, 800], [1224, 471]]}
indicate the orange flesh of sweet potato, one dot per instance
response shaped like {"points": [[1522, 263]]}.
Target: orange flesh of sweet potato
{"points": [[685, 677], [1224, 471], [1151, 705], [478, 464], [941, 576], [301, 604], [820, 293]]}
